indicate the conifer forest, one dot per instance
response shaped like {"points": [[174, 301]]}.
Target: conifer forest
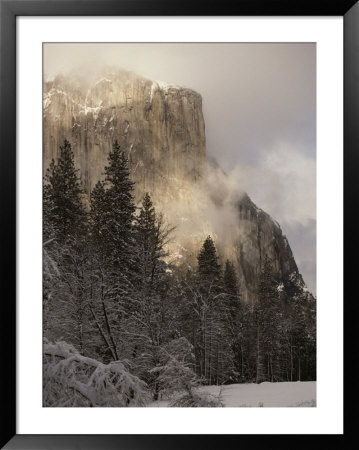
{"points": [[125, 326]]}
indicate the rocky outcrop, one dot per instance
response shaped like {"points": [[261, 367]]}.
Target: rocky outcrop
{"points": [[259, 236], [161, 128]]}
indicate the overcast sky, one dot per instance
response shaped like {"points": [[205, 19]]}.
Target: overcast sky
{"points": [[259, 105]]}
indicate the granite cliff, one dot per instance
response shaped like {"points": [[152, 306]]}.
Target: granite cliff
{"points": [[161, 128]]}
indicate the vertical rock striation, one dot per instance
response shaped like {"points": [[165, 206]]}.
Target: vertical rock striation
{"points": [[160, 126]]}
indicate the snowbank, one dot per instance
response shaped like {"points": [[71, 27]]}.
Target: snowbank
{"points": [[257, 395]]}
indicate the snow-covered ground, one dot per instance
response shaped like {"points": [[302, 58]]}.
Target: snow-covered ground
{"points": [[258, 395]]}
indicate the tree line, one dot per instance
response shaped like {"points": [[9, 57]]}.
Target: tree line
{"points": [[108, 291]]}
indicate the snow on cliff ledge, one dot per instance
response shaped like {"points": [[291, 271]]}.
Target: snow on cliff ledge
{"points": [[163, 86]]}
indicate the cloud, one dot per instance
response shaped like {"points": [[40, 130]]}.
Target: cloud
{"points": [[302, 240], [282, 182]]}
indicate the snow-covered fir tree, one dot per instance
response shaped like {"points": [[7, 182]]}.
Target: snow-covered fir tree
{"points": [[65, 252], [114, 253]]}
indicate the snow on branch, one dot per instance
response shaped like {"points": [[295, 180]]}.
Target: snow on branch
{"points": [[71, 379]]}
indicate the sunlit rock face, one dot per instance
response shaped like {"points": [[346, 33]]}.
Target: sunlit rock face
{"points": [[161, 128]]}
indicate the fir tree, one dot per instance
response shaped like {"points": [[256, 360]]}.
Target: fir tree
{"points": [[112, 210], [230, 279], [99, 213], [64, 210], [234, 315], [267, 319], [65, 251], [151, 236], [300, 339], [231, 288], [208, 265], [152, 308], [211, 336], [114, 252]]}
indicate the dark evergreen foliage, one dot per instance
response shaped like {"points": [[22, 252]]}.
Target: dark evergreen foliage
{"points": [[63, 204], [267, 313], [208, 266], [113, 208], [234, 317], [65, 252]]}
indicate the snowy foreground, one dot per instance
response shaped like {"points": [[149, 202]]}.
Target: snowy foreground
{"points": [[265, 394]]}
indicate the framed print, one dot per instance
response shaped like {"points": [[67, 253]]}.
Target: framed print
{"points": [[178, 242]]}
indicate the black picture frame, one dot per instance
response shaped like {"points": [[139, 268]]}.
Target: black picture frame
{"points": [[9, 10]]}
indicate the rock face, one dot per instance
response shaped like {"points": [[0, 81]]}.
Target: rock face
{"points": [[259, 235], [161, 128]]}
